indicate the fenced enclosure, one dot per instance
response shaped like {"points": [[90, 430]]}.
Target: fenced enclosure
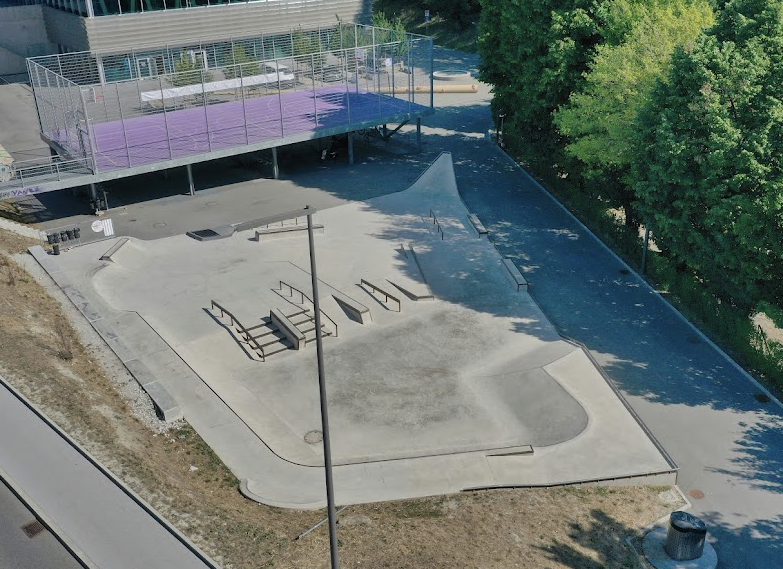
{"points": [[133, 109]]}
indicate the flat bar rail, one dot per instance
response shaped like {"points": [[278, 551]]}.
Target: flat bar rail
{"points": [[436, 223], [243, 332], [304, 297], [384, 293]]}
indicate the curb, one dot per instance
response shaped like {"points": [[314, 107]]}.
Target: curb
{"points": [[644, 283], [41, 516], [179, 536]]}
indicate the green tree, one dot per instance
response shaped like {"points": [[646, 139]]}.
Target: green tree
{"points": [[240, 64], [708, 175], [599, 121], [189, 70], [534, 54]]}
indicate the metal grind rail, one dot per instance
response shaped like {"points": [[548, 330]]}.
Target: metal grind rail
{"points": [[244, 332], [304, 297], [436, 223], [384, 293]]}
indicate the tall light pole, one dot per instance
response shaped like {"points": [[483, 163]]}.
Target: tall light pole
{"points": [[332, 514]]}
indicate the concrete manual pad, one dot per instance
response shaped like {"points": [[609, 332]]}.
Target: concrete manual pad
{"points": [[422, 401]]}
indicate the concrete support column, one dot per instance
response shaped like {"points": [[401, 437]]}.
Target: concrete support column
{"points": [[275, 166], [191, 187], [385, 132], [93, 192], [350, 148], [418, 134]]}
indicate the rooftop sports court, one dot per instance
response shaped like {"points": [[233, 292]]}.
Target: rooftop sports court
{"points": [[112, 115]]}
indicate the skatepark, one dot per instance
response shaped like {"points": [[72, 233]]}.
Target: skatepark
{"points": [[442, 372]]}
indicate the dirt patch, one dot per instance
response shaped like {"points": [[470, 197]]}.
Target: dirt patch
{"points": [[44, 356]]}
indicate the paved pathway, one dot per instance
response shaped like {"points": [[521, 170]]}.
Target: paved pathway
{"points": [[17, 551], [728, 445], [112, 530]]}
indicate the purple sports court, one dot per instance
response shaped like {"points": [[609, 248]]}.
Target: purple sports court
{"points": [[201, 129]]}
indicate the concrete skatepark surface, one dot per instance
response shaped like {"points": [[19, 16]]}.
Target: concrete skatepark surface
{"points": [[440, 396]]}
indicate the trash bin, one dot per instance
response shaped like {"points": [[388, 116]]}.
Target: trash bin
{"points": [[50, 238], [69, 233], [77, 233], [56, 249], [55, 237], [63, 236], [685, 538]]}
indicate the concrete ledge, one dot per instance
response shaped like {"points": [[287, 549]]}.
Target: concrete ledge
{"points": [[477, 225], [515, 274], [294, 335], [273, 233], [355, 309], [107, 256], [165, 405], [248, 488]]}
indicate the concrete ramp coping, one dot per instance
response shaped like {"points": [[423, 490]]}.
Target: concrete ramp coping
{"points": [[519, 280], [108, 255], [477, 225], [356, 310], [271, 233], [294, 335]]}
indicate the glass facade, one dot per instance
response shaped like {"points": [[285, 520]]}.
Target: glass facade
{"points": [[117, 7]]}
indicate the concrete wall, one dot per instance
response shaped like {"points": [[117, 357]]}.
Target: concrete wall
{"points": [[22, 34], [107, 33]]}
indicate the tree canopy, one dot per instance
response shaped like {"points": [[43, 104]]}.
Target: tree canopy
{"points": [[708, 175], [599, 121]]}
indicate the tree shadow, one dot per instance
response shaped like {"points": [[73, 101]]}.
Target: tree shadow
{"points": [[601, 542]]}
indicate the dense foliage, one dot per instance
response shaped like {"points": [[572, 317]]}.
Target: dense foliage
{"points": [[599, 120], [708, 174], [535, 53]]}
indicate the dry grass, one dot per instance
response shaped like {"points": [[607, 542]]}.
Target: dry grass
{"points": [[181, 476]]}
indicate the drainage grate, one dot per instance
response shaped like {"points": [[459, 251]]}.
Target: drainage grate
{"points": [[33, 528], [313, 437], [205, 233]]}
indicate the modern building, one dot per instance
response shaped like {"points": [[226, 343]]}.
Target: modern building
{"points": [[116, 113], [31, 28]]}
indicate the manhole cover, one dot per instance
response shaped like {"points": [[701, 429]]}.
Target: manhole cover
{"points": [[696, 494], [211, 204], [33, 528], [762, 398], [313, 437], [625, 272], [160, 224]]}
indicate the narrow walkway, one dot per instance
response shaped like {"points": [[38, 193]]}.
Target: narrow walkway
{"points": [[111, 529]]}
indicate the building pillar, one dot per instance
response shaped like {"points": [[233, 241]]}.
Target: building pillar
{"points": [[94, 192], [418, 134], [191, 186], [350, 148], [275, 165]]}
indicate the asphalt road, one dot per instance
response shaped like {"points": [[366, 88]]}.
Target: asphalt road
{"points": [[17, 551]]}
